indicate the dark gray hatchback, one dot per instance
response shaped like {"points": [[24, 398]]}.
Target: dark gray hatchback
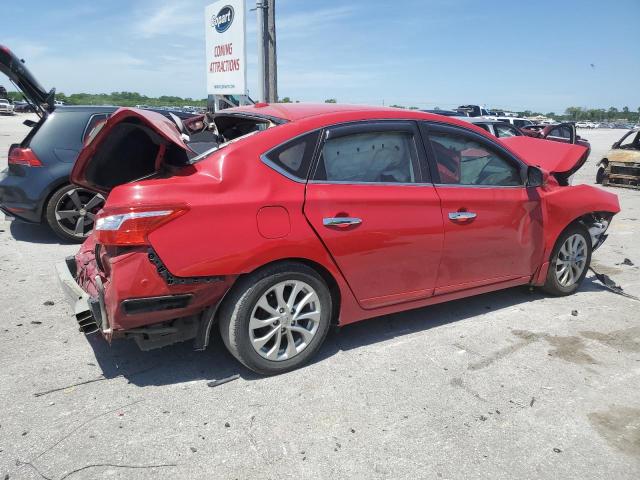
{"points": [[35, 187]]}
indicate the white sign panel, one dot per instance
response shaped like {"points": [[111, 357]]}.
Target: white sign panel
{"points": [[225, 41]]}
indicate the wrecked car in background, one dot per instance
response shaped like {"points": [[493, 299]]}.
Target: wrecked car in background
{"points": [[561, 132], [494, 127], [621, 165], [306, 216]]}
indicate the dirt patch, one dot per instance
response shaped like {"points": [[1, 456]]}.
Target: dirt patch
{"points": [[620, 427], [459, 383], [627, 339], [570, 349], [606, 269], [527, 338]]}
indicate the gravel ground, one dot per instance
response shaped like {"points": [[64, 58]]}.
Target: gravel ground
{"points": [[505, 385]]}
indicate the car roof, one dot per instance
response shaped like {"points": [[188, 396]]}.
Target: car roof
{"points": [[85, 108], [480, 120], [111, 109], [298, 111]]}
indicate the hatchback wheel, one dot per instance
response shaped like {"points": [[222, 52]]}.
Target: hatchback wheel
{"points": [[71, 212], [276, 319], [569, 262]]}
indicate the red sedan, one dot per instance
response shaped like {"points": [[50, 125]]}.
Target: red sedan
{"points": [[303, 216]]}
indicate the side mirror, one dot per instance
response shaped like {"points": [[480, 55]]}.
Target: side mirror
{"points": [[536, 177], [615, 145]]}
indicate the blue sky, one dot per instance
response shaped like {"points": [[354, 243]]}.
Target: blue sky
{"points": [[509, 54]]}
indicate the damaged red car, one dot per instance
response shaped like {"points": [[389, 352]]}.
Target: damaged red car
{"points": [[303, 216]]}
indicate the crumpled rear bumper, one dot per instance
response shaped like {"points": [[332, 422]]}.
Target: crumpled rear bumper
{"points": [[132, 294]]}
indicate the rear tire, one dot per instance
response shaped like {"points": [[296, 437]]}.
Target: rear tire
{"points": [[569, 262], [259, 323], [70, 212]]}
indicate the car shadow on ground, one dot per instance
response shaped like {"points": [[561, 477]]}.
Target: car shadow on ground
{"points": [[34, 233], [179, 363]]}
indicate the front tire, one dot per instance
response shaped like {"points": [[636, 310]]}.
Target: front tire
{"points": [[570, 261], [277, 318], [71, 211], [600, 174]]}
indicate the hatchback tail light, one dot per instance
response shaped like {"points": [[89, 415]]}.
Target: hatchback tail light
{"points": [[23, 156], [131, 226]]}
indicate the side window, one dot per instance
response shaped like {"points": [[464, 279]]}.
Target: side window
{"points": [[371, 157], [631, 141], [503, 131], [94, 121], [560, 132], [461, 160], [294, 157]]}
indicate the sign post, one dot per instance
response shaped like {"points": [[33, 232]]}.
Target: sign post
{"points": [[225, 24]]}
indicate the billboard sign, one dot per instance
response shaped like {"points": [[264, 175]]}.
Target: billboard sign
{"points": [[225, 43]]}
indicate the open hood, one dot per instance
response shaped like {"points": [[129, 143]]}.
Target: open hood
{"points": [[23, 79], [131, 145], [560, 159]]}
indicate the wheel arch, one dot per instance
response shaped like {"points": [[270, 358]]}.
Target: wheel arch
{"points": [[321, 270], [51, 190]]}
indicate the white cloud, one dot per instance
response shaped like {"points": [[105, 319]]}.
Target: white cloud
{"points": [[177, 19]]}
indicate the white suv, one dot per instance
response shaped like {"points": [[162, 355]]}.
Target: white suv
{"points": [[6, 108], [515, 121]]}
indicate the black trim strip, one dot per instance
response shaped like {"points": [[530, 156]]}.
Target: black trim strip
{"points": [[171, 279]]}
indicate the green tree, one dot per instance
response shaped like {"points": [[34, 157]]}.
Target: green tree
{"points": [[331, 100], [286, 100]]}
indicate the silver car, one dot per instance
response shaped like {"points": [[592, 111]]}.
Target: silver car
{"points": [[6, 107]]}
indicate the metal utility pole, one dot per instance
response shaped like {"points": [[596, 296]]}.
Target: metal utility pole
{"points": [[268, 74]]}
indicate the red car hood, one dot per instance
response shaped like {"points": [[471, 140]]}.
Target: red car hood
{"points": [[156, 122], [559, 159]]}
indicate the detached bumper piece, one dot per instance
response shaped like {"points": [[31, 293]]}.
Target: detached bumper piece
{"points": [[81, 303]]}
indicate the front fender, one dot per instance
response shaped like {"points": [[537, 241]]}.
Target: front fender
{"points": [[564, 205]]}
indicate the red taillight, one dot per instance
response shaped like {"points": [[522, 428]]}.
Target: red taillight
{"points": [[131, 226], [23, 156]]}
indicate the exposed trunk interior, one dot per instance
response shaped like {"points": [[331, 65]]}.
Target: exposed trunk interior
{"points": [[137, 145], [132, 151], [231, 127]]}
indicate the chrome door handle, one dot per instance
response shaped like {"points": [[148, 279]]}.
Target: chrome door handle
{"points": [[461, 216], [340, 221]]}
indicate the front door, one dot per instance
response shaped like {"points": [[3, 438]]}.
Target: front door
{"points": [[492, 222], [376, 211]]}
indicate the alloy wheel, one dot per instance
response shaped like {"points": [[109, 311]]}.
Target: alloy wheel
{"points": [[284, 320], [572, 260], [76, 211]]}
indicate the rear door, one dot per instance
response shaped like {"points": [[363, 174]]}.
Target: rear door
{"points": [[492, 222], [376, 210]]}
